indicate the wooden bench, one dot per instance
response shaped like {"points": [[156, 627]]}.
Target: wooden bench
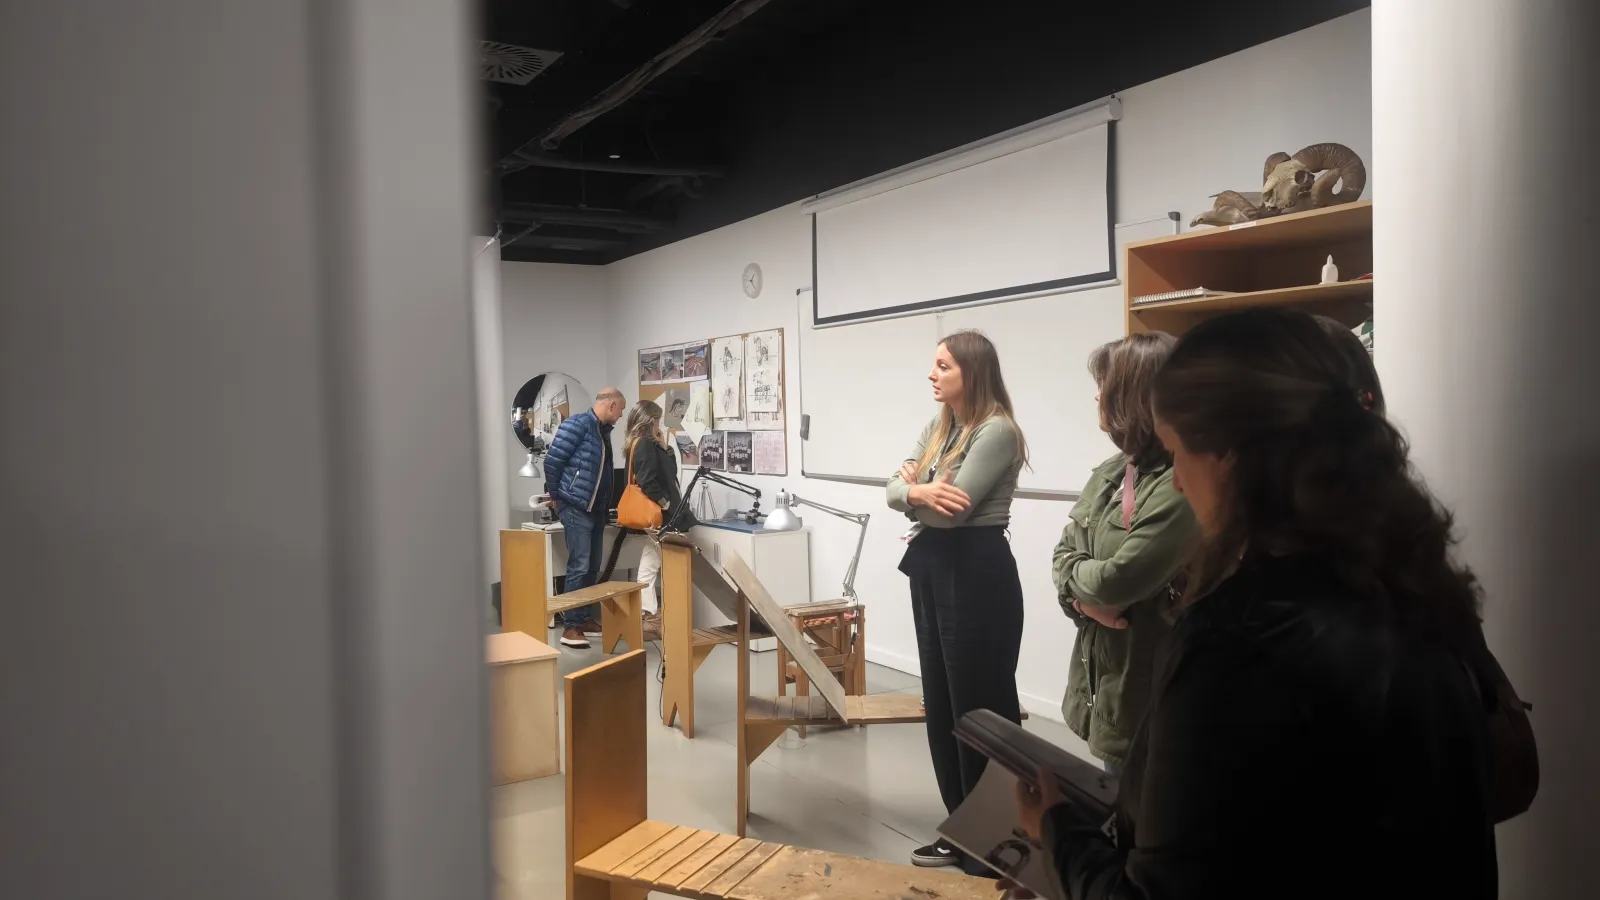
{"points": [[616, 852], [526, 604]]}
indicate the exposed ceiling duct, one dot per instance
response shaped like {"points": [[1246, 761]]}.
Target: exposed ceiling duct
{"points": [[612, 219], [551, 161], [630, 84]]}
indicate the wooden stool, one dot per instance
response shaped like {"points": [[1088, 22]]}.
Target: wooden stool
{"points": [[839, 632], [522, 707]]}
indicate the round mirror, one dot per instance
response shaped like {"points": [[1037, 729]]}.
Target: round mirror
{"points": [[542, 404]]}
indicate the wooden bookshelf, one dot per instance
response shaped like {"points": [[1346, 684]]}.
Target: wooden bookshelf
{"points": [[1270, 263]]}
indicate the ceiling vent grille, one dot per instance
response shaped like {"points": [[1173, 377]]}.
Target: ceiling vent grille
{"points": [[510, 64]]}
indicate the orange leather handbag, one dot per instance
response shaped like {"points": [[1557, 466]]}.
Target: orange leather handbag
{"points": [[635, 510]]}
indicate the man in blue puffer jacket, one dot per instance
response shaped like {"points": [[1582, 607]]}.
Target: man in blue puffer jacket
{"points": [[577, 473]]}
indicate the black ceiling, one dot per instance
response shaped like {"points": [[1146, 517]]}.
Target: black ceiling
{"points": [[770, 101]]}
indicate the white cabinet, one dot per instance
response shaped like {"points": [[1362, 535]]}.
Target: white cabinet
{"points": [[781, 559]]}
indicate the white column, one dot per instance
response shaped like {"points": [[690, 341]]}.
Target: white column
{"points": [[1487, 320], [494, 412], [239, 516]]}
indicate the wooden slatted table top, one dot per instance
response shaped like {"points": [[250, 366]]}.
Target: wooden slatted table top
{"points": [[868, 709], [720, 634], [707, 865]]}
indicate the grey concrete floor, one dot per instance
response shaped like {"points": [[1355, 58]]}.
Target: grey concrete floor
{"points": [[864, 791]]}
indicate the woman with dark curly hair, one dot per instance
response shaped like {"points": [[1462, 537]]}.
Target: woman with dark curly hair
{"points": [[1313, 730]]}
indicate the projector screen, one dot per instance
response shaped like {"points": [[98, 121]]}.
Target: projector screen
{"points": [[1029, 221]]}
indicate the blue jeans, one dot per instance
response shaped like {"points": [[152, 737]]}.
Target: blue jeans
{"points": [[586, 537]]}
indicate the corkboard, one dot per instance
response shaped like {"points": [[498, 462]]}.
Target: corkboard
{"points": [[655, 392]]}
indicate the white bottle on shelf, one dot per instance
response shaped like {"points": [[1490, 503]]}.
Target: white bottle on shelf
{"points": [[1330, 272]]}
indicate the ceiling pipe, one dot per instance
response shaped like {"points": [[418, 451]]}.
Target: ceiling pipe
{"points": [[548, 214], [523, 159], [630, 84]]}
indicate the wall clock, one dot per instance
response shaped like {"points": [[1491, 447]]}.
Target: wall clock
{"points": [[752, 281]]}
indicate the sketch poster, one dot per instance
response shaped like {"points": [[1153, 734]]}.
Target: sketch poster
{"points": [[711, 450], [695, 360], [764, 421], [674, 406], [727, 376], [672, 364], [763, 364], [688, 450], [770, 452], [649, 366], [739, 453]]}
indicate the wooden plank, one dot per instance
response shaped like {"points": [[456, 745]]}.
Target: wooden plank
{"points": [[524, 582], [653, 853], [819, 709], [799, 874], [598, 592], [761, 709], [607, 769], [722, 634], [602, 861], [730, 879], [729, 858], [516, 646], [686, 868], [655, 871], [755, 593]]}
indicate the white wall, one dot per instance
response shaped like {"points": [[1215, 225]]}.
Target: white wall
{"points": [[1182, 139], [553, 319]]}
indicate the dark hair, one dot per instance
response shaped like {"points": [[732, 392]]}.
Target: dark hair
{"points": [[1358, 362], [1127, 371], [1312, 471]]}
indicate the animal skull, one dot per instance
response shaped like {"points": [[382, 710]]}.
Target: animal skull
{"points": [[1287, 188]]}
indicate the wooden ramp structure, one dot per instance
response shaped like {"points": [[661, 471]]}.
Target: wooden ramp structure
{"points": [[762, 720], [683, 646], [615, 851], [526, 604]]}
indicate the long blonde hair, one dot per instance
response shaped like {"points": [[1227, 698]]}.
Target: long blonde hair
{"points": [[643, 420], [983, 397]]}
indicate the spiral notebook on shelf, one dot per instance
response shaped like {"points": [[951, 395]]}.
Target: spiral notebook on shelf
{"points": [[1185, 294]]}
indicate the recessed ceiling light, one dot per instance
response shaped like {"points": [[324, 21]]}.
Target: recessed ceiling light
{"points": [[616, 156]]}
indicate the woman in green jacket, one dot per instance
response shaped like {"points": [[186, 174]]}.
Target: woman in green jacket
{"points": [[1128, 536]]}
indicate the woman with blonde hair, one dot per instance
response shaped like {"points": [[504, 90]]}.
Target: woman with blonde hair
{"points": [[956, 489], [654, 468]]}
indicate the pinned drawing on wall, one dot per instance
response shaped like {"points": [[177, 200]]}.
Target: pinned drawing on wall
{"points": [[649, 366], [770, 453], [740, 453], [688, 450], [674, 407], [700, 413], [727, 376], [764, 362], [694, 360], [672, 364], [711, 450]]}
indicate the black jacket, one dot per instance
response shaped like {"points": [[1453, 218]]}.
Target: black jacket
{"points": [[657, 475], [1295, 749]]}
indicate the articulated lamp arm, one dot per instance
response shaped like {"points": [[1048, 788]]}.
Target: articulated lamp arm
{"points": [[860, 519]]}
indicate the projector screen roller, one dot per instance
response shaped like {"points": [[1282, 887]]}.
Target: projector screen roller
{"points": [[959, 238]]}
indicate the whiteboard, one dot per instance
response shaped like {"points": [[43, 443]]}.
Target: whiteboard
{"points": [[865, 386], [955, 239]]}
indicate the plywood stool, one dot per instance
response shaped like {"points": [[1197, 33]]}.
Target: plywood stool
{"points": [[522, 708], [837, 629]]}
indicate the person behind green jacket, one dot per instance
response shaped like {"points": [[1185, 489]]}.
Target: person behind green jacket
{"points": [[1118, 555]]}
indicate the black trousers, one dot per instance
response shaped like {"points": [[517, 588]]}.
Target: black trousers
{"points": [[966, 599]]}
